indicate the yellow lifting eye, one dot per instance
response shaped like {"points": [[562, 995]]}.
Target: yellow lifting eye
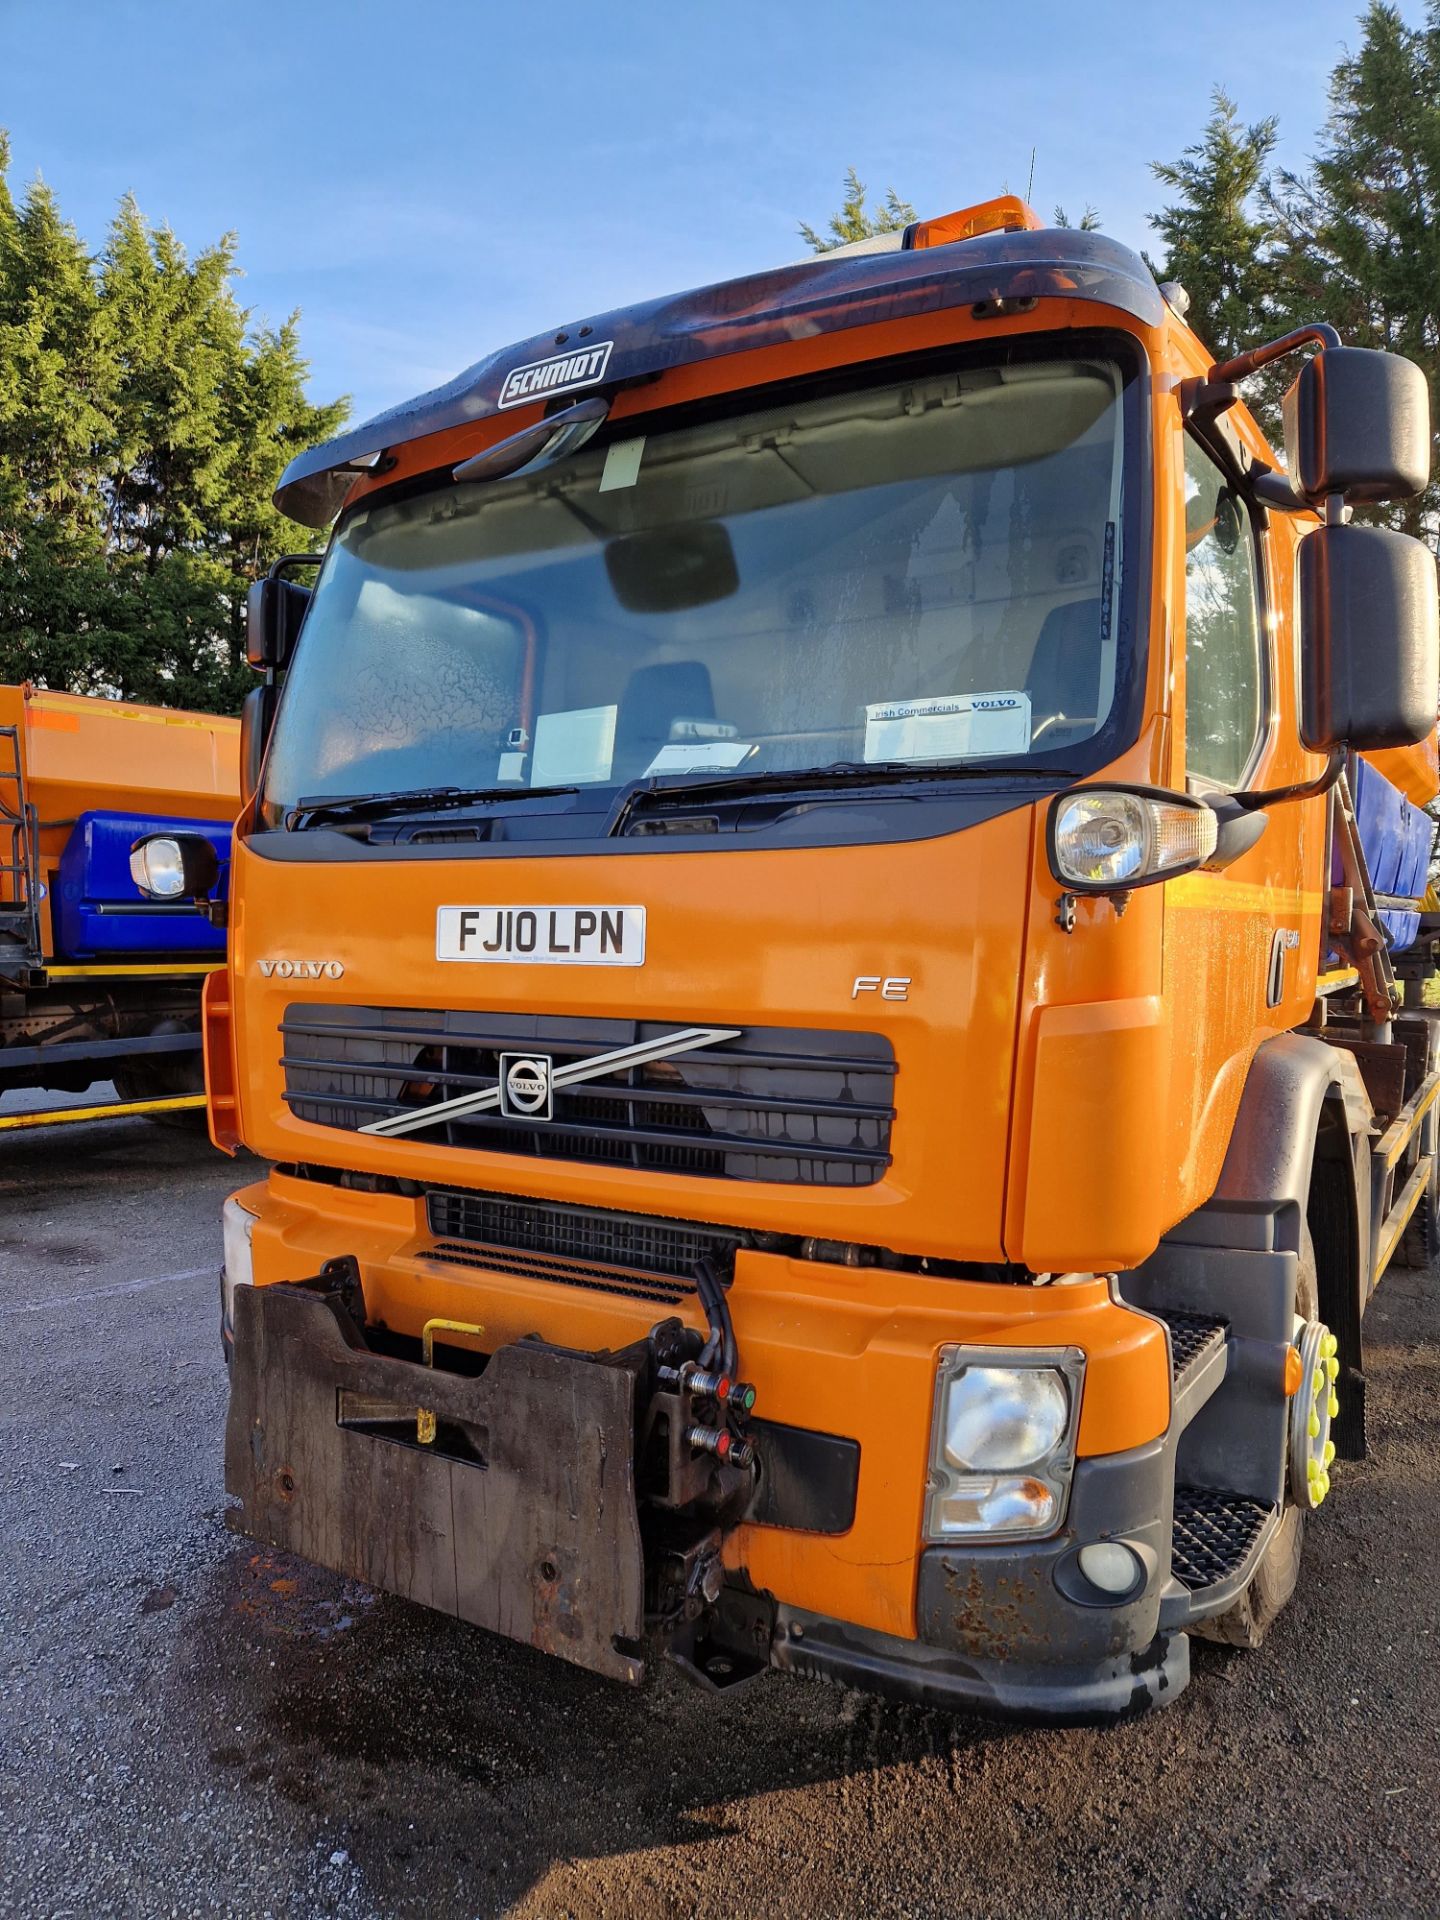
{"points": [[425, 1421]]}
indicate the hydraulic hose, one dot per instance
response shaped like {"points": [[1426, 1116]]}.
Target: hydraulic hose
{"points": [[721, 1344]]}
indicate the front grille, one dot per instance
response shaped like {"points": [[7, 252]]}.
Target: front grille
{"points": [[797, 1106], [588, 1237]]}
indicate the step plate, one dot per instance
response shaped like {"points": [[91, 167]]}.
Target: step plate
{"points": [[1215, 1533], [1192, 1337]]}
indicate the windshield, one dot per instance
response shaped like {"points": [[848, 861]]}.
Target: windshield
{"points": [[922, 573]]}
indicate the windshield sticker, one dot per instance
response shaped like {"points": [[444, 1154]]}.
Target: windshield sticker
{"points": [[699, 756], [558, 374], [573, 747], [622, 464], [951, 727]]}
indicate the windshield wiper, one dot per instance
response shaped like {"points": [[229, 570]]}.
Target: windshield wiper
{"points": [[316, 808], [841, 773]]}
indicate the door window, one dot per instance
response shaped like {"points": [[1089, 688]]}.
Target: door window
{"points": [[1224, 682]]}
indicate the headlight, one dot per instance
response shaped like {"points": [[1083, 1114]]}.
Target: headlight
{"points": [[175, 866], [157, 866], [1003, 1444], [1107, 839], [1004, 1417]]}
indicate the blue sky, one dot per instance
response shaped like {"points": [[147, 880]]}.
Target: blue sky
{"points": [[431, 180]]}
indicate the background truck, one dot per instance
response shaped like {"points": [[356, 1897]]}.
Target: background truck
{"points": [[836, 1009], [97, 982]]}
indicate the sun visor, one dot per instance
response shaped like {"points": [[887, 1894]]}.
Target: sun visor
{"points": [[823, 295]]}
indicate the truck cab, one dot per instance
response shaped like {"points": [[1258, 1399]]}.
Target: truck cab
{"points": [[803, 953], [98, 980]]}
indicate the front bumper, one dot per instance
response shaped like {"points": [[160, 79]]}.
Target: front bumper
{"points": [[1016, 1629], [524, 1520], [1113, 1688]]}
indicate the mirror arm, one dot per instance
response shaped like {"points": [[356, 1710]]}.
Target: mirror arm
{"points": [[1306, 790], [1273, 490], [1240, 821], [1204, 400], [1244, 364], [1237, 828], [289, 561]]}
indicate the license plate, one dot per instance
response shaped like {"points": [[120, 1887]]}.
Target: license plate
{"points": [[557, 936]]}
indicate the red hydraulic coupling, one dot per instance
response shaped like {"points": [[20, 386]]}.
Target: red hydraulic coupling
{"points": [[710, 1386], [722, 1443], [714, 1440]]}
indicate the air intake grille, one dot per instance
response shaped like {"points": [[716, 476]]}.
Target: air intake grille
{"points": [[663, 1250], [564, 1273], [797, 1106]]}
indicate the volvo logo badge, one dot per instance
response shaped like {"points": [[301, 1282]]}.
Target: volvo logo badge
{"points": [[526, 1089], [302, 969]]}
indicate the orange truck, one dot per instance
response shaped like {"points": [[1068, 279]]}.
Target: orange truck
{"points": [[827, 947], [98, 982]]}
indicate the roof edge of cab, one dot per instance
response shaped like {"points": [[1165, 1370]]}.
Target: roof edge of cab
{"points": [[823, 295]]}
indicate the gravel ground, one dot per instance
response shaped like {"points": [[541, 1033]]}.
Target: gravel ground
{"points": [[189, 1727]]}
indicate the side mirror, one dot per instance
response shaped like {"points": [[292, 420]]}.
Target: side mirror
{"points": [[174, 866], [1357, 423], [274, 609], [1370, 631], [257, 716]]}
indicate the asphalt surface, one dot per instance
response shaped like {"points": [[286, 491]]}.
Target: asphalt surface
{"points": [[189, 1727]]}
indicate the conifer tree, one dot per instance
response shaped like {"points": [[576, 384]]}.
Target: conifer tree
{"points": [[144, 421], [1089, 221], [857, 221], [1218, 236], [1360, 233]]}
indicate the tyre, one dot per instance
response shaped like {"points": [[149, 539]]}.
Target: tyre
{"points": [[1247, 1620], [163, 1076]]}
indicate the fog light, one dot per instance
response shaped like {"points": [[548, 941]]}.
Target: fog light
{"points": [[1111, 1566]]}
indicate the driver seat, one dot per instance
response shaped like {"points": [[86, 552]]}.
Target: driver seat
{"points": [[654, 699], [1064, 675]]}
